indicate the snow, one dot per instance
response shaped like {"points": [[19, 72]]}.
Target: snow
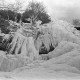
{"points": [[46, 39], [65, 66], [64, 47], [24, 46], [33, 53], [61, 63], [56, 32]]}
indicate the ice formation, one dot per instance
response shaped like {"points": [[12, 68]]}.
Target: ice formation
{"points": [[24, 46], [63, 52], [55, 33]]}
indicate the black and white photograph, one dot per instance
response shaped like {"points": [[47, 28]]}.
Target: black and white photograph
{"points": [[39, 39]]}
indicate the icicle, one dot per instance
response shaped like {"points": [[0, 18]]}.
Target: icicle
{"points": [[24, 51]]}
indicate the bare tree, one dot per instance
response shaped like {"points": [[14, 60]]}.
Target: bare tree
{"points": [[34, 12], [15, 8]]}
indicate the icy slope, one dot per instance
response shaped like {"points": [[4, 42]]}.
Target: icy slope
{"points": [[66, 65]]}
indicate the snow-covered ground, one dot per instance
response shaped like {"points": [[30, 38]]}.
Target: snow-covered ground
{"points": [[41, 72]]}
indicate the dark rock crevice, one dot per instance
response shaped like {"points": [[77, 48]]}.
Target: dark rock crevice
{"points": [[43, 49]]}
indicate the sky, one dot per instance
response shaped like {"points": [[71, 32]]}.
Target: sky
{"points": [[57, 9]]}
